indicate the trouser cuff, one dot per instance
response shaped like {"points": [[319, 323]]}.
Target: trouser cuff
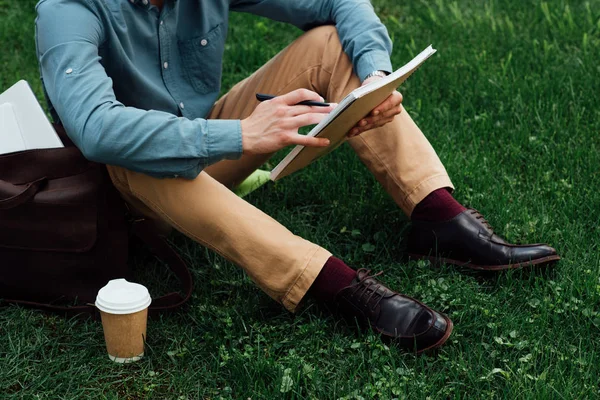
{"points": [[415, 196], [298, 290]]}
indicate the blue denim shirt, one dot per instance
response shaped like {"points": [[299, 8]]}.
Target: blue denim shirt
{"points": [[132, 84]]}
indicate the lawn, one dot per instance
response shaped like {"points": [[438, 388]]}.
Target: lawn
{"points": [[511, 103]]}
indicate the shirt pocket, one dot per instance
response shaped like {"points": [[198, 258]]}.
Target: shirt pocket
{"points": [[202, 59]]}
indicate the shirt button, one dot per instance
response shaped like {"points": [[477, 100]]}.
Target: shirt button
{"points": [[69, 70], [161, 22], [166, 65], [145, 2], [204, 42], [181, 105]]}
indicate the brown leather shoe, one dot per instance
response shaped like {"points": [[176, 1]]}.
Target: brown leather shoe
{"points": [[394, 316], [468, 240]]}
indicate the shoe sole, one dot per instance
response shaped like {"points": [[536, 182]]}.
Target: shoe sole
{"points": [[439, 343], [441, 260]]}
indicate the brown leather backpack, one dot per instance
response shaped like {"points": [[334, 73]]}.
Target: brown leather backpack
{"points": [[63, 232]]}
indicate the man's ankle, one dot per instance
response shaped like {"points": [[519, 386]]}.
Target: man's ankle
{"points": [[439, 205], [334, 276]]}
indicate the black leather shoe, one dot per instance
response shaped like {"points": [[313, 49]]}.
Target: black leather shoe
{"points": [[468, 240], [394, 316]]}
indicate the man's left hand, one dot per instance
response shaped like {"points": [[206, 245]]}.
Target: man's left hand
{"points": [[381, 115]]}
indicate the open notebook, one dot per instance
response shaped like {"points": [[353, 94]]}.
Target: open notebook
{"points": [[355, 106], [23, 124]]}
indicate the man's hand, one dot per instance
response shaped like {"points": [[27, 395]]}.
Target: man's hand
{"points": [[274, 123], [381, 115]]}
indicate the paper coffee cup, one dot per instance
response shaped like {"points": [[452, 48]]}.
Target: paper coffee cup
{"points": [[124, 310]]}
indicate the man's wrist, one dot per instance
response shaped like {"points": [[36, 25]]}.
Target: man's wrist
{"points": [[378, 72]]}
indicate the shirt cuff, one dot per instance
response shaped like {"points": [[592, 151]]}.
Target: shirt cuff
{"points": [[224, 139], [373, 61]]}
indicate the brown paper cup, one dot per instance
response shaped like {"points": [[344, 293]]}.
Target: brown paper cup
{"points": [[124, 309], [125, 335]]}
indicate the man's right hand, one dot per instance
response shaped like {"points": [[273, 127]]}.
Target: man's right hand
{"points": [[274, 123]]}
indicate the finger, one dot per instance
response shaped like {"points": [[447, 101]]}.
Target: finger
{"points": [[392, 101], [353, 132], [308, 141], [382, 122], [304, 120], [392, 112], [371, 122], [357, 133], [368, 127], [299, 110], [378, 124], [363, 122], [358, 127], [366, 121], [298, 95]]}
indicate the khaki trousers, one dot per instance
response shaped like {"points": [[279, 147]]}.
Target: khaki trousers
{"points": [[281, 263]]}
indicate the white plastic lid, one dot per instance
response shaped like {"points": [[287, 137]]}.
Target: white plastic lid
{"points": [[122, 297]]}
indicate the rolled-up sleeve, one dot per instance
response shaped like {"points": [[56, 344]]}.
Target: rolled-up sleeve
{"points": [[364, 38], [68, 36]]}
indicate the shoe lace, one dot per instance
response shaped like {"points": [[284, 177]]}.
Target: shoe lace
{"points": [[480, 217], [361, 288]]}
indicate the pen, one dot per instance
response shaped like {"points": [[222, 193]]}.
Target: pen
{"points": [[263, 97]]}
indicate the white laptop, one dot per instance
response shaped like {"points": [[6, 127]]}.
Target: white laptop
{"points": [[23, 123]]}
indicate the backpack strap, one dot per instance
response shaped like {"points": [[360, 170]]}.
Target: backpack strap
{"points": [[18, 195]]}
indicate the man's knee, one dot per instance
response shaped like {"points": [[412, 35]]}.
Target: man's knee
{"points": [[325, 35], [324, 30]]}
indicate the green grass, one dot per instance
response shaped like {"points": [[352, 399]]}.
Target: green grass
{"points": [[511, 103]]}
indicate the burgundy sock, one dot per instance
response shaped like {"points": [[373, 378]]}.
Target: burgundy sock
{"points": [[334, 276], [439, 205]]}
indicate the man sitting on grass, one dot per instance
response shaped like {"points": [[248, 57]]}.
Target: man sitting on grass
{"points": [[135, 84]]}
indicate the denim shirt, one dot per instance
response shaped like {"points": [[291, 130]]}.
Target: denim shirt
{"points": [[133, 84]]}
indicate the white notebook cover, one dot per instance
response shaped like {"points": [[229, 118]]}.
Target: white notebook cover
{"points": [[10, 134], [23, 123]]}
